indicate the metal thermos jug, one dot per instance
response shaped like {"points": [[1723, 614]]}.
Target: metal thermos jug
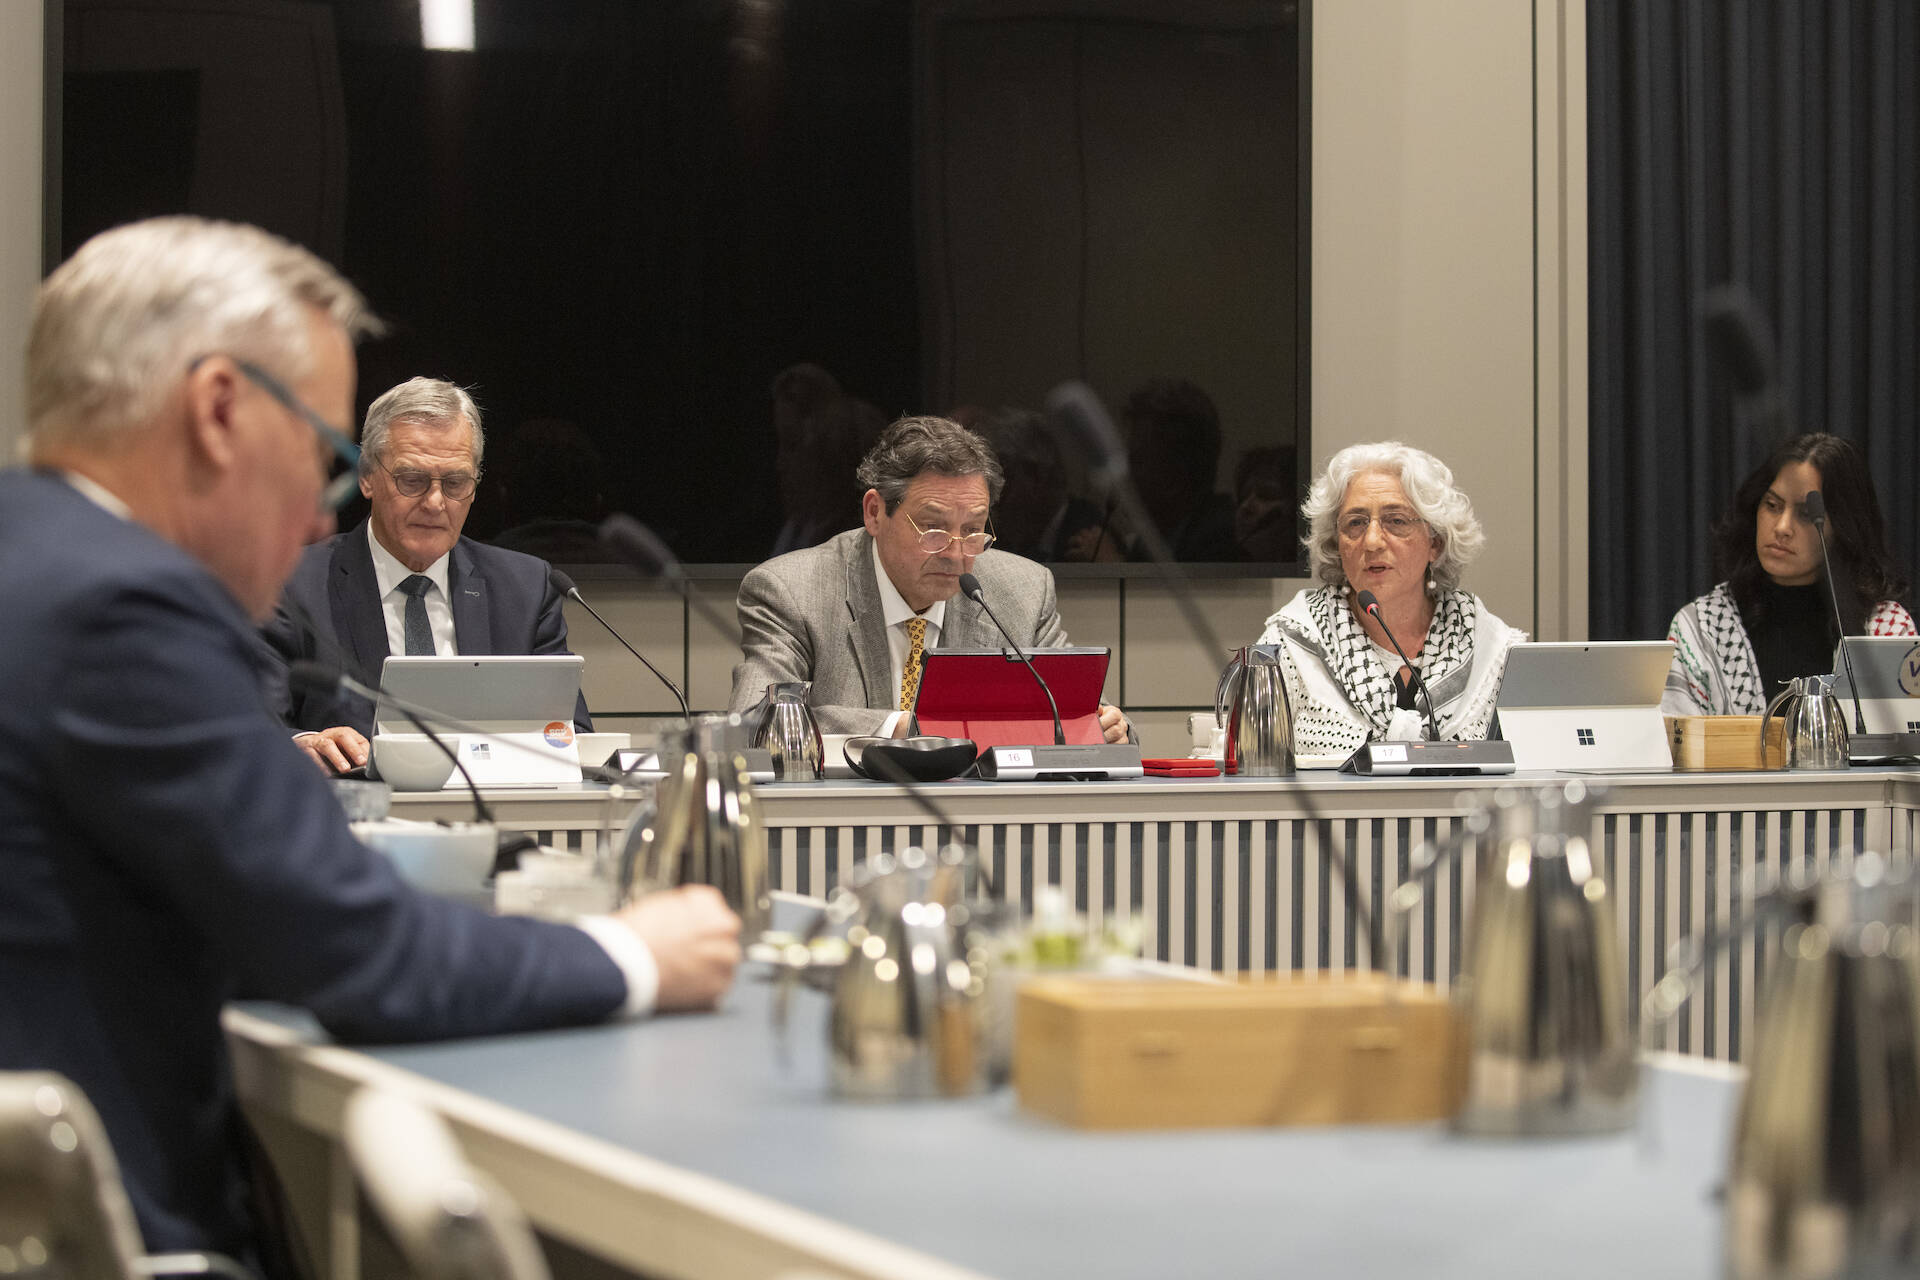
{"points": [[704, 825], [911, 1014], [1823, 1181], [788, 732], [1251, 701], [1542, 990], [1814, 722]]}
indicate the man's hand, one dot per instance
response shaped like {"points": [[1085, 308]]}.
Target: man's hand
{"points": [[1113, 723], [695, 940], [335, 750]]}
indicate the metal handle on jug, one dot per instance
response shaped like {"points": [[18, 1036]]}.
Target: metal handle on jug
{"points": [[1765, 720]]}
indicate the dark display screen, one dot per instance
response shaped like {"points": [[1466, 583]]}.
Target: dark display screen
{"points": [[691, 255]]}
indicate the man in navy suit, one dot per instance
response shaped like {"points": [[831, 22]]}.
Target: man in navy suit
{"points": [[406, 581], [162, 842]]}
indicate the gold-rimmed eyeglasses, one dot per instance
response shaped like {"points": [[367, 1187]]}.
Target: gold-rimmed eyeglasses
{"points": [[935, 541], [455, 486]]}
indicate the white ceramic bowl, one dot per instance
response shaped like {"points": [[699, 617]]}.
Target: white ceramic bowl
{"points": [[411, 761], [453, 861]]}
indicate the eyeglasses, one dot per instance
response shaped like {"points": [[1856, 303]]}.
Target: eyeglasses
{"points": [[934, 541], [341, 488], [455, 486], [1395, 524]]}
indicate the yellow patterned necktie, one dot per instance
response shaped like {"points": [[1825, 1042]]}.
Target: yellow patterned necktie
{"points": [[910, 672]]}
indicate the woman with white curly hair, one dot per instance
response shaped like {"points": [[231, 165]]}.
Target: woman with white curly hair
{"points": [[1387, 518]]}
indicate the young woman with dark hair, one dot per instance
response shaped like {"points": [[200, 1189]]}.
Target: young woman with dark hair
{"points": [[1770, 619]]}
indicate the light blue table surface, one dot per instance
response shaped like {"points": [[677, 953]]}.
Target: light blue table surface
{"points": [[978, 1183]]}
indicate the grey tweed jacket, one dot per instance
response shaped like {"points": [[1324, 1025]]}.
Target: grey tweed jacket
{"points": [[816, 615]]}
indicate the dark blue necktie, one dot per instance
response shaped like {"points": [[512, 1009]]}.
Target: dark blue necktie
{"points": [[419, 630]]}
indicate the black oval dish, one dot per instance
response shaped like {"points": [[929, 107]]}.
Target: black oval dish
{"points": [[921, 759]]}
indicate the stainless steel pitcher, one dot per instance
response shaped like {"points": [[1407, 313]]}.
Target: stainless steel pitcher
{"points": [[912, 1014], [1814, 721], [1251, 700], [787, 730], [703, 826], [1543, 987], [1824, 1176]]}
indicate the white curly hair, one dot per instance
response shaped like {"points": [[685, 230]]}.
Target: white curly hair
{"points": [[1428, 483]]}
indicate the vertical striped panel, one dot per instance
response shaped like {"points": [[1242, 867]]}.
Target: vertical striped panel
{"points": [[1266, 893]]}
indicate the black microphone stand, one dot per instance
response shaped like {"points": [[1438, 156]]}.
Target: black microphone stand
{"points": [[1371, 605], [1075, 406], [970, 586], [1816, 508], [316, 677], [566, 587]]}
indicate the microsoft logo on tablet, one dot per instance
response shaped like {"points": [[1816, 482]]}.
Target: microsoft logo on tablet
{"points": [[1585, 736]]}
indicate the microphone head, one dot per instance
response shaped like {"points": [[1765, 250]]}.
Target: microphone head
{"points": [[638, 545], [561, 582], [313, 679], [1815, 506], [1077, 413], [1738, 339], [970, 587], [1369, 603]]}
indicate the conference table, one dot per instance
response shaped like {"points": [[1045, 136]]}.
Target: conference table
{"points": [[685, 1147]]}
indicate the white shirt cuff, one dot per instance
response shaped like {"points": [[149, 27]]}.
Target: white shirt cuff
{"points": [[891, 723], [634, 958]]}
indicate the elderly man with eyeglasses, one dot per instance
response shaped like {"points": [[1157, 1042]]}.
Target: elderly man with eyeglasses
{"points": [[854, 614], [406, 582], [162, 844]]}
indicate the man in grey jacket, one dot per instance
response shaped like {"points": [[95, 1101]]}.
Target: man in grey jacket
{"points": [[854, 614]]}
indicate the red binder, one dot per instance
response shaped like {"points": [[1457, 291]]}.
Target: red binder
{"points": [[987, 695]]}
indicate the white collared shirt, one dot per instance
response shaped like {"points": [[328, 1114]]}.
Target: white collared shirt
{"points": [[390, 573], [98, 494], [897, 613]]}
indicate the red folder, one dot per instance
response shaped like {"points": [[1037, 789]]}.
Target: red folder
{"points": [[987, 695]]}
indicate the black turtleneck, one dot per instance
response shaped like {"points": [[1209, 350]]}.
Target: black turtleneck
{"points": [[1792, 633]]}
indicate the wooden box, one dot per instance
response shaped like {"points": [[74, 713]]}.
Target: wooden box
{"points": [[1289, 1049], [1725, 742]]}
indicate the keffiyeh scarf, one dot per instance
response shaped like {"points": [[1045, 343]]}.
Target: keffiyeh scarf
{"points": [[1369, 684]]}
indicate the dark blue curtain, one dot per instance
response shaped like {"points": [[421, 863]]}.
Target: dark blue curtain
{"points": [[1773, 143]]}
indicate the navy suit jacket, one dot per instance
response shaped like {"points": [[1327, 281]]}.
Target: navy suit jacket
{"points": [[502, 603], [163, 842]]}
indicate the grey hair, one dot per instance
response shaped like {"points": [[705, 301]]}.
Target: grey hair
{"points": [[914, 446], [118, 324], [1429, 487], [427, 402]]}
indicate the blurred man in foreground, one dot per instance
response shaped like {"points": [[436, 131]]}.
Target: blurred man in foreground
{"points": [[161, 839]]}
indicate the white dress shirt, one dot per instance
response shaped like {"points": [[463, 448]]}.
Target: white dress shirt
{"points": [[390, 573], [897, 612]]}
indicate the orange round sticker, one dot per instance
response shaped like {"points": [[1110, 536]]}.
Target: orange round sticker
{"points": [[558, 733]]}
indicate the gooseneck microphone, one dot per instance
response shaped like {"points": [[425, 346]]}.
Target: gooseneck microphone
{"points": [[641, 547], [1078, 413], [565, 586], [317, 679], [1370, 604], [1816, 509], [970, 588], [320, 680]]}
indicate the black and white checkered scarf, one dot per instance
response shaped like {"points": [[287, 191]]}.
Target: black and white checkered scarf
{"points": [[1370, 686]]}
